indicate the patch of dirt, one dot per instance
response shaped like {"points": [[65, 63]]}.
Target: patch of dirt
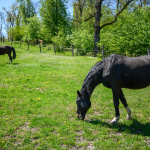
{"points": [[80, 140], [56, 133], [41, 90], [90, 146], [33, 130], [118, 133], [20, 132], [108, 121], [79, 133], [148, 141], [25, 127], [115, 133], [97, 113]]}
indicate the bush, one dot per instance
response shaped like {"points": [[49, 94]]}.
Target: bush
{"points": [[50, 47], [83, 39]]}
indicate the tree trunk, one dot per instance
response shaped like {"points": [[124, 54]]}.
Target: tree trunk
{"points": [[56, 19], [97, 26]]}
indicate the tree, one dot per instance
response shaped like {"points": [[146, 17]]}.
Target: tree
{"points": [[97, 27], [142, 3], [1, 22], [32, 29], [129, 35], [103, 13], [12, 15], [27, 10], [54, 17]]}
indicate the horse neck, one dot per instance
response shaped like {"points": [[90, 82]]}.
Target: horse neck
{"points": [[93, 79]]}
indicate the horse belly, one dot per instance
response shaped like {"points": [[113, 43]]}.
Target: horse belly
{"points": [[137, 81], [3, 51]]}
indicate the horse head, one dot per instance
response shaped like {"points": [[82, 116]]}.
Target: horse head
{"points": [[82, 106]]}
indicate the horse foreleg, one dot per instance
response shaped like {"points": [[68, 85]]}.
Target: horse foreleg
{"points": [[10, 58], [124, 102], [116, 94]]}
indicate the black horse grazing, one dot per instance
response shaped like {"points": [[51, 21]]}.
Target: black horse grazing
{"points": [[114, 72], [7, 50]]}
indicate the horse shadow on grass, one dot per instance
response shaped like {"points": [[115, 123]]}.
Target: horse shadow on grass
{"points": [[134, 128], [15, 63], [12, 63]]}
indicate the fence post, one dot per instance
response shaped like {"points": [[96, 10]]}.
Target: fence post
{"points": [[148, 49], [28, 45], [40, 46], [72, 49], [54, 49], [39, 43], [3, 39], [20, 43], [103, 51], [11, 41]]}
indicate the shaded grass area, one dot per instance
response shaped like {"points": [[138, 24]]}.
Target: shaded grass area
{"points": [[38, 106]]}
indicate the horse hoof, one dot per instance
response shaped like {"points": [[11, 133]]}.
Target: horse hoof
{"points": [[113, 122]]}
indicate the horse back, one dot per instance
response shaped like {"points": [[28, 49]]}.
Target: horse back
{"points": [[127, 72]]}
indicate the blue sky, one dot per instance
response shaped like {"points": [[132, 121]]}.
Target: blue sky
{"points": [[8, 3]]}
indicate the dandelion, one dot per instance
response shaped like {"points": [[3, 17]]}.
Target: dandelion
{"points": [[46, 82], [64, 121], [2, 141], [119, 142], [38, 98]]}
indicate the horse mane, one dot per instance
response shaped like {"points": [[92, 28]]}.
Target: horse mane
{"points": [[95, 70]]}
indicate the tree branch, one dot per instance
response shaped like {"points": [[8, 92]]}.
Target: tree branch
{"points": [[91, 16], [115, 17]]}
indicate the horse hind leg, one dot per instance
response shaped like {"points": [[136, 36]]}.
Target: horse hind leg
{"points": [[124, 102]]}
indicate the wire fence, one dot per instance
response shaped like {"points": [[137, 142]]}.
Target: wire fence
{"points": [[102, 53]]}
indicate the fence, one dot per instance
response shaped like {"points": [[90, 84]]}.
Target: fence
{"points": [[102, 53]]}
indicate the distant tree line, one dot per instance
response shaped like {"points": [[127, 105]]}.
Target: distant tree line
{"points": [[123, 26]]}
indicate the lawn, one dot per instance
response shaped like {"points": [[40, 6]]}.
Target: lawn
{"points": [[38, 106]]}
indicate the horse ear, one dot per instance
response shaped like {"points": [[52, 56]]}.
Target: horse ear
{"points": [[79, 94]]}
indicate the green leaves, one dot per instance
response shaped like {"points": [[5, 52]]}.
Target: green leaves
{"points": [[53, 20], [83, 38], [32, 29], [130, 34]]}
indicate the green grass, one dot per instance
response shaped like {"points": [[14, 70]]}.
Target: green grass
{"points": [[38, 106]]}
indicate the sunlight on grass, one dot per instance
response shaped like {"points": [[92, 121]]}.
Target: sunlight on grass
{"points": [[38, 106]]}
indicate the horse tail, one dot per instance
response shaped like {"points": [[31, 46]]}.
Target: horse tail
{"points": [[14, 53]]}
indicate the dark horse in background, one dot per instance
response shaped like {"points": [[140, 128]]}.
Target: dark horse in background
{"points": [[7, 50], [114, 72]]}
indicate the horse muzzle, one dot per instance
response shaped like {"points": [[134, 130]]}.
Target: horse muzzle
{"points": [[80, 117]]}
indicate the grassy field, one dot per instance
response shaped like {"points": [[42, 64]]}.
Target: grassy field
{"points": [[38, 106]]}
